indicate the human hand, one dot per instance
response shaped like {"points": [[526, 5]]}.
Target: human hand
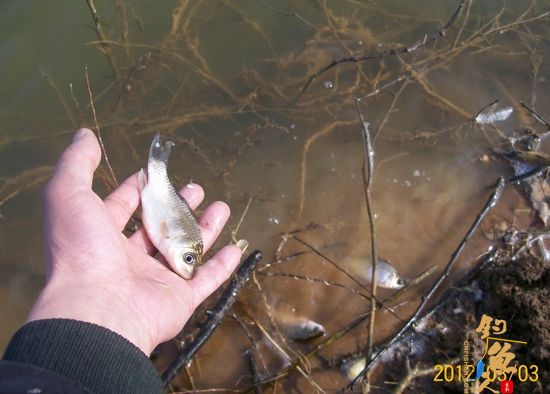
{"points": [[98, 275]]}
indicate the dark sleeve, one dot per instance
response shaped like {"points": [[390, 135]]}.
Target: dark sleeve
{"points": [[94, 356]]}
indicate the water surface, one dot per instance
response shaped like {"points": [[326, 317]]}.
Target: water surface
{"points": [[223, 80]]}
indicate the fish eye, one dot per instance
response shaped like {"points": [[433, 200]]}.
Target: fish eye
{"points": [[190, 258], [401, 282]]}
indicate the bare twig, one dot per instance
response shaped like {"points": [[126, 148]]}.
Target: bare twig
{"points": [[528, 174], [60, 97], [236, 229], [535, 115], [253, 369], [325, 282], [104, 46], [97, 128], [416, 372], [281, 260], [217, 313], [332, 262], [490, 203], [368, 168], [392, 52], [347, 328], [285, 13]]}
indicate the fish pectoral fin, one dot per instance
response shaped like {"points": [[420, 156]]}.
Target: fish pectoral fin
{"points": [[142, 180]]}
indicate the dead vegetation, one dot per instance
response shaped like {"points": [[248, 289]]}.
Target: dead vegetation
{"points": [[341, 74]]}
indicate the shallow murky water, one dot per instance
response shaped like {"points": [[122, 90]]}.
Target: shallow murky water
{"points": [[225, 80]]}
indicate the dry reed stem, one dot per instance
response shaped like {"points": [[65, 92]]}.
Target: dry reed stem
{"points": [[489, 204], [100, 139], [120, 5], [324, 282], [416, 372], [331, 339], [104, 46], [240, 222], [64, 104], [367, 170]]}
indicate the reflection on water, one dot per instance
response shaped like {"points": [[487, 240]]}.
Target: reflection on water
{"points": [[222, 79]]}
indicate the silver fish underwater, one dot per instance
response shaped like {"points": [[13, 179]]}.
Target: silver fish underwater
{"points": [[298, 327], [387, 276], [166, 216]]}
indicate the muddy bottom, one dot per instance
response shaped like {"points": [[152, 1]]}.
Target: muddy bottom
{"points": [[498, 314]]}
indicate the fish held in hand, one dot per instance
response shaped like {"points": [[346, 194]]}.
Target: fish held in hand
{"points": [[166, 216]]}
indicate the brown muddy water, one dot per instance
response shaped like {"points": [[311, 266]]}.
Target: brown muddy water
{"points": [[224, 80]]}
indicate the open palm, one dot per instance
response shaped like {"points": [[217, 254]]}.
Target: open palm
{"points": [[98, 275]]}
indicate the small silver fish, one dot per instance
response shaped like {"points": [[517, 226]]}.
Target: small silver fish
{"points": [[387, 276], [166, 216], [298, 327]]}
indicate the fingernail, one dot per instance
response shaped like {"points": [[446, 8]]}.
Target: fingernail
{"points": [[81, 133]]}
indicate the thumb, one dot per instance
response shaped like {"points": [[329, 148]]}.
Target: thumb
{"points": [[77, 163]]}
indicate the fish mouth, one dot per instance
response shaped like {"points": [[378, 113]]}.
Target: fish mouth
{"points": [[185, 273]]}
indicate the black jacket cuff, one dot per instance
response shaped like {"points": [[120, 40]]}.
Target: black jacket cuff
{"points": [[98, 358]]}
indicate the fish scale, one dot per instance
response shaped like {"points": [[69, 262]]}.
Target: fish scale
{"points": [[167, 217]]}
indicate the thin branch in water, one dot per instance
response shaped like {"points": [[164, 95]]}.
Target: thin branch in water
{"points": [[368, 168], [416, 372], [97, 127], [68, 111], [104, 46], [392, 52], [528, 174], [281, 260], [325, 282], [236, 229], [250, 337], [386, 86], [490, 203], [347, 328], [215, 317], [535, 115], [292, 14], [332, 262], [253, 370]]}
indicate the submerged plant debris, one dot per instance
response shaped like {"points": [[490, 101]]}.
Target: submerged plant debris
{"points": [[333, 129]]}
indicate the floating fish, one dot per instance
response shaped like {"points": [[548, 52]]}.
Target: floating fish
{"points": [[166, 216], [298, 327], [387, 276], [494, 116]]}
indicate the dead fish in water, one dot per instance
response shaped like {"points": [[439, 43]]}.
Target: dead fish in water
{"points": [[299, 328], [387, 276], [166, 216]]}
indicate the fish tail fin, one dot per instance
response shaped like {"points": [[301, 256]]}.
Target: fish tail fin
{"points": [[159, 151]]}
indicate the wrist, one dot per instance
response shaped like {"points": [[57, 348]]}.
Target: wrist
{"points": [[92, 304]]}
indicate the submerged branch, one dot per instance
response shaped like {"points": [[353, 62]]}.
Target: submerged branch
{"points": [[368, 168], [392, 52], [97, 127], [217, 313], [490, 203], [104, 46]]}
